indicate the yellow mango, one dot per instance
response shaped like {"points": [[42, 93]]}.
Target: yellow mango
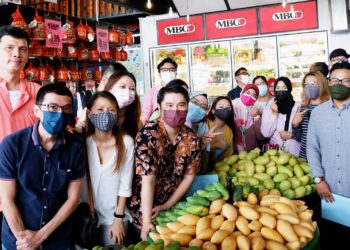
{"points": [[216, 206], [219, 236], [202, 224], [242, 225], [286, 230], [268, 220], [257, 243], [217, 221], [243, 242], [188, 219], [228, 226], [229, 243], [248, 213], [270, 234]]}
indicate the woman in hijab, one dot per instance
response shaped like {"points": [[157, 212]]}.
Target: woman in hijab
{"points": [[277, 117], [247, 119]]}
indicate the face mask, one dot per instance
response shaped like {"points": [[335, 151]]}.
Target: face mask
{"points": [[282, 95], [312, 92], [174, 118], [55, 122], [167, 76], [195, 113], [248, 100], [124, 97], [262, 90], [104, 121], [223, 114], [339, 92], [245, 79]]}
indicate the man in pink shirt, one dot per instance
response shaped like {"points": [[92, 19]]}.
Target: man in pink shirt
{"points": [[17, 96], [167, 70]]}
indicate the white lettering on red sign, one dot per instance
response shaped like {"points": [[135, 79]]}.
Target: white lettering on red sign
{"points": [[287, 16], [180, 29], [231, 23]]}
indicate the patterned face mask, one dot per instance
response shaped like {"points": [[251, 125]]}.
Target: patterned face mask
{"points": [[104, 121]]}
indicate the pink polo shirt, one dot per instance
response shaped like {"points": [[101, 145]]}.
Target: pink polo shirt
{"points": [[22, 115], [149, 103]]}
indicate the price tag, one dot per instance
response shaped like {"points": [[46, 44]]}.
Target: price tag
{"points": [[102, 39], [54, 33]]}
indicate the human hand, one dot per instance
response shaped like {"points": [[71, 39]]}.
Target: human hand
{"points": [[324, 191], [255, 112], [274, 108], [145, 229], [116, 231], [285, 135], [29, 240], [209, 136], [156, 210], [298, 117]]}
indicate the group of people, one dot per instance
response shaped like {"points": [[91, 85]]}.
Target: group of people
{"points": [[142, 159]]}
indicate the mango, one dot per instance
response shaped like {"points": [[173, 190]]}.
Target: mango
{"points": [[251, 156], [298, 171], [305, 167], [300, 192], [308, 190], [261, 160], [232, 172], [270, 164], [242, 155], [304, 180], [280, 177], [252, 181], [261, 176], [285, 185], [197, 210], [295, 183], [271, 171], [290, 194], [283, 169], [155, 246], [141, 245], [249, 168], [260, 169], [231, 159], [269, 184], [271, 152], [292, 161], [283, 159]]}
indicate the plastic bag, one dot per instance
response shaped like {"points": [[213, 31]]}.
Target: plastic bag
{"points": [[32, 73], [81, 32], [18, 21], [37, 28], [69, 35]]}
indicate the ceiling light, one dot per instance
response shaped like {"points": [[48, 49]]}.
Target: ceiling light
{"points": [[284, 3], [170, 11], [149, 4]]}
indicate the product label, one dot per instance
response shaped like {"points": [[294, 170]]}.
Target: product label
{"points": [[181, 29], [102, 39], [54, 33]]}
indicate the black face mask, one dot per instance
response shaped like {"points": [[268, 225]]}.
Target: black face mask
{"points": [[282, 95], [223, 114]]}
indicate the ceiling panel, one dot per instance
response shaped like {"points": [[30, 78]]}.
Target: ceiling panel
{"points": [[238, 4], [193, 7]]}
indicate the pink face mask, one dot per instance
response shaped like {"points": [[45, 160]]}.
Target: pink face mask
{"points": [[248, 100], [174, 118], [124, 97]]}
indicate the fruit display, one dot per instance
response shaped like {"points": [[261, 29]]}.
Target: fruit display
{"points": [[273, 170]]}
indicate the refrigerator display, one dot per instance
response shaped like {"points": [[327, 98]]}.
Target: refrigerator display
{"points": [[134, 65], [178, 54], [296, 54], [210, 68], [257, 55]]}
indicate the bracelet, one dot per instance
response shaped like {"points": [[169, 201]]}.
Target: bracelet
{"points": [[119, 215]]}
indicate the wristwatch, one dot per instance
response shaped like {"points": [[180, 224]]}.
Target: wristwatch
{"points": [[118, 215], [318, 179]]}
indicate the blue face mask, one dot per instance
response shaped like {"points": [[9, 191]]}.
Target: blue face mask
{"points": [[195, 113], [262, 90], [55, 122]]}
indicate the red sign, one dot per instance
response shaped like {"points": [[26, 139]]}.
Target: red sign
{"points": [[179, 30], [102, 39], [53, 33], [231, 24], [299, 17]]}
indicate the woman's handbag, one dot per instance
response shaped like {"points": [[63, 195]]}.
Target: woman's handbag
{"points": [[86, 232]]}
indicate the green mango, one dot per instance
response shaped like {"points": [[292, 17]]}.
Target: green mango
{"points": [[260, 187], [285, 185], [241, 174], [222, 190], [131, 247], [271, 152], [280, 177], [261, 176], [197, 210], [271, 171], [270, 164], [232, 172], [252, 181], [308, 190], [249, 168], [269, 184], [231, 159], [304, 180], [261, 160], [173, 245], [305, 167], [155, 246], [292, 161], [242, 155], [290, 194], [298, 171], [198, 201], [295, 183], [283, 159], [260, 169], [283, 169], [300, 192], [210, 187], [141, 245]]}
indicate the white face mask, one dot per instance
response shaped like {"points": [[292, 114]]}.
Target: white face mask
{"points": [[167, 76], [124, 96], [245, 79]]}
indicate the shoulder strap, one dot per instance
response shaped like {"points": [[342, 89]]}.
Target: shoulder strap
{"points": [[88, 180]]}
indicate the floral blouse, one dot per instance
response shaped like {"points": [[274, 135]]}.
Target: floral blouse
{"points": [[155, 155]]}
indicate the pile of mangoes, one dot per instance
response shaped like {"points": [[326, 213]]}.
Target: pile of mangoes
{"points": [[274, 169]]}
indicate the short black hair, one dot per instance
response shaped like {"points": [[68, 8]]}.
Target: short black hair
{"points": [[118, 66], [55, 88], [238, 70], [262, 77], [172, 87], [166, 60], [342, 65], [179, 82], [15, 32], [286, 81], [321, 67]]}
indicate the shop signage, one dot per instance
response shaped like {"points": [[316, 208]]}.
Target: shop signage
{"points": [[53, 33], [278, 19], [179, 30], [231, 24], [102, 39]]}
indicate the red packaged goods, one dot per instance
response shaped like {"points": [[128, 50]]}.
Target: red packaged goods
{"points": [[69, 35], [18, 21], [43, 73], [73, 74], [106, 56], [129, 38], [81, 32], [35, 48], [113, 36], [86, 74], [83, 53], [124, 55], [49, 52], [93, 54], [61, 53], [122, 38], [90, 33], [72, 51], [61, 74], [51, 73], [118, 55], [32, 73], [97, 74], [37, 28]]}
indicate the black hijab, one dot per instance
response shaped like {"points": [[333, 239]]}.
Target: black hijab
{"points": [[284, 99]]}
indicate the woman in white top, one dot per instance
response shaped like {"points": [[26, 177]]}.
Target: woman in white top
{"points": [[111, 157]]}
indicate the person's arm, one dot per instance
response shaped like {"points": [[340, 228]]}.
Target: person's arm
{"points": [[147, 106], [147, 197], [268, 122], [13, 216]]}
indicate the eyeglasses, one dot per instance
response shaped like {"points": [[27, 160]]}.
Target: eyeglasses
{"points": [[167, 70], [334, 81], [52, 107], [311, 84]]}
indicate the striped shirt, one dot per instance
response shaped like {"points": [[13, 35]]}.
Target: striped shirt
{"points": [[300, 133], [328, 144]]}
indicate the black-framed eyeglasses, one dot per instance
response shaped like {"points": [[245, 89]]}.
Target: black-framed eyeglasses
{"points": [[334, 81], [53, 107], [167, 70]]}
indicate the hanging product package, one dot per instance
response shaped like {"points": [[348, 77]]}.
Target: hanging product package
{"points": [[124, 55], [72, 51], [86, 74], [93, 54], [35, 49], [49, 52], [43, 73], [73, 74], [113, 36], [61, 53], [37, 28], [18, 21], [81, 32], [32, 73], [129, 38], [90, 33], [97, 74], [69, 35], [62, 74], [83, 53]]}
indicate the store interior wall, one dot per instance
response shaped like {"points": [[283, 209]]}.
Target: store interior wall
{"points": [[148, 30]]}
